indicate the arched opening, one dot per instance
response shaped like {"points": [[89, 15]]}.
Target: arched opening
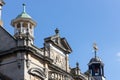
{"points": [[18, 30], [25, 24], [37, 74], [18, 25]]}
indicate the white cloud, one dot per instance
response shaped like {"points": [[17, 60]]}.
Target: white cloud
{"points": [[118, 54]]}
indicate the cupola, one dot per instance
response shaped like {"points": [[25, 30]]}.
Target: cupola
{"points": [[24, 26], [96, 66]]}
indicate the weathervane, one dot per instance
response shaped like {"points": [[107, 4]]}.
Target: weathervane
{"points": [[95, 49]]}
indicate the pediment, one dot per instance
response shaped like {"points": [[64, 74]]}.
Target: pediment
{"points": [[59, 42]]}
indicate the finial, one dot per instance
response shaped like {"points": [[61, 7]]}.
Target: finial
{"points": [[95, 49], [77, 64], [24, 7], [57, 31]]}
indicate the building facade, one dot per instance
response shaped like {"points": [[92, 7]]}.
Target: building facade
{"points": [[20, 59]]}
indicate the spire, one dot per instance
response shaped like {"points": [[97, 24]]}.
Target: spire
{"points": [[95, 49], [24, 8]]}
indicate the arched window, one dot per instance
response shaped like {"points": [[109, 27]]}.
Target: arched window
{"points": [[37, 73], [18, 25], [25, 24]]}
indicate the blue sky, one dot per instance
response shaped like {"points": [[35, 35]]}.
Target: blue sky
{"points": [[82, 22]]}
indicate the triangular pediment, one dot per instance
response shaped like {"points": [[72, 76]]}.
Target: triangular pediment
{"points": [[7, 41], [65, 44], [59, 42]]}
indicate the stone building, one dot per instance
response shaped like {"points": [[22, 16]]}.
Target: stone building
{"points": [[20, 59]]}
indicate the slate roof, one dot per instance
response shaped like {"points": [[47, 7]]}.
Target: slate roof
{"points": [[4, 77]]}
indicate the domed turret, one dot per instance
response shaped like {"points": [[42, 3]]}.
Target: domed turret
{"points": [[96, 66], [24, 26]]}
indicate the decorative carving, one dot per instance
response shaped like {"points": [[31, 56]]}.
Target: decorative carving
{"points": [[58, 76], [58, 59], [37, 72]]}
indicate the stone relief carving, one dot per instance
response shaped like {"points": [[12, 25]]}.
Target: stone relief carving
{"points": [[58, 59], [37, 72]]}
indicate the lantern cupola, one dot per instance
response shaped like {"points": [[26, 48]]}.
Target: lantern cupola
{"points": [[96, 66], [24, 26]]}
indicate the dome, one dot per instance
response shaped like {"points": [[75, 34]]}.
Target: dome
{"points": [[23, 15], [96, 59]]}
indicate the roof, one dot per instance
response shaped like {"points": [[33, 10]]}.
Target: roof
{"points": [[23, 15], [59, 42], [4, 77], [96, 59], [7, 41]]}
